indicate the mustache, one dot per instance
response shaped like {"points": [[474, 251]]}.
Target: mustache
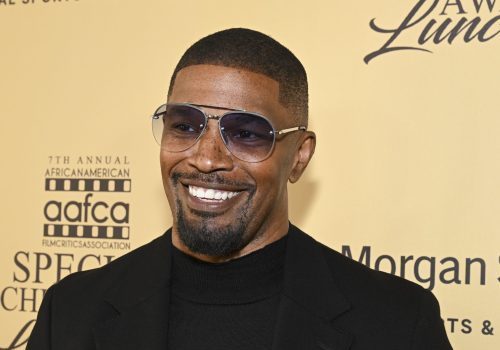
{"points": [[211, 178]]}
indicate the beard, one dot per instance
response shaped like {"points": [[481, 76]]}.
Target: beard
{"points": [[206, 236]]}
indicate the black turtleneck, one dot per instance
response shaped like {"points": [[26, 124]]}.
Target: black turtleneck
{"points": [[231, 305]]}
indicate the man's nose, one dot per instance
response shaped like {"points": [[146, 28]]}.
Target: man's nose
{"points": [[210, 153]]}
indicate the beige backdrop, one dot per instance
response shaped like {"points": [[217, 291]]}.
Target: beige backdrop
{"points": [[407, 166]]}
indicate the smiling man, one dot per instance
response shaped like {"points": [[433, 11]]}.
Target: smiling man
{"points": [[232, 272]]}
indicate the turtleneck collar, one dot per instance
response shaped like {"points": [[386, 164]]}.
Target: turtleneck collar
{"points": [[247, 279]]}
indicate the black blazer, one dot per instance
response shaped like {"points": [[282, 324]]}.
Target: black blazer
{"points": [[329, 302]]}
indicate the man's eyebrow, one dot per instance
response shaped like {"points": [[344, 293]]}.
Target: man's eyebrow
{"points": [[217, 107]]}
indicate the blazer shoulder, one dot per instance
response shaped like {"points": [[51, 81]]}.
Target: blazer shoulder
{"points": [[362, 285], [387, 302], [98, 281], [384, 309], [354, 275]]}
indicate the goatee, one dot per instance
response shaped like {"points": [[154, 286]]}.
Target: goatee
{"points": [[206, 237]]}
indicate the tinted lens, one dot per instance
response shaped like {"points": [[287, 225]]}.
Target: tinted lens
{"points": [[249, 137], [179, 127]]}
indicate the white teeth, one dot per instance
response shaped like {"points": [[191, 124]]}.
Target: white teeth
{"points": [[210, 193], [200, 192]]}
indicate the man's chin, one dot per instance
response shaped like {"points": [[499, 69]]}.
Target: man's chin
{"points": [[207, 233]]}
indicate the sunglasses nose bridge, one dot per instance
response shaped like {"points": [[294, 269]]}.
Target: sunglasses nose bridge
{"points": [[210, 152], [216, 118], [215, 134], [213, 117]]}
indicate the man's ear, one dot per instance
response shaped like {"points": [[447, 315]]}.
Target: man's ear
{"points": [[303, 155]]}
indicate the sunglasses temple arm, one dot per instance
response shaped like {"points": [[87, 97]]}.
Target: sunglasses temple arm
{"points": [[286, 131]]}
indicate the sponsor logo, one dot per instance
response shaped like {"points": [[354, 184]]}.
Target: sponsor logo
{"points": [[430, 23], [88, 199]]}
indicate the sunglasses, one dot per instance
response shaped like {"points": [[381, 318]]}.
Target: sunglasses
{"points": [[248, 136]]}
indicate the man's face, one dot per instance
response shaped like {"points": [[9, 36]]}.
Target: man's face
{"points": [[255, 210]]}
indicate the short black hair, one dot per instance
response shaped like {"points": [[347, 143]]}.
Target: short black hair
{"points": [[256, 52]]}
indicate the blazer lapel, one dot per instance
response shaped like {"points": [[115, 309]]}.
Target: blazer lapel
{"points": [[141, 301], [311, 300]]}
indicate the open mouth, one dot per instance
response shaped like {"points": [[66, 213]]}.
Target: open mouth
{"points": [[211, 194]]}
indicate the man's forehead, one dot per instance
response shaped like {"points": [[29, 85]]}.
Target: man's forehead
{"points": [[227, 87]]}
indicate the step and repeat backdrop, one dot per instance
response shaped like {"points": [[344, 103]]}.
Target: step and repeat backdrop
{"points": [[404, 98]]}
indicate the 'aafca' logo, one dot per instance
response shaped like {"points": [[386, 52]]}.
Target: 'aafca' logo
{"points": [[443, 30], [87, 207]]}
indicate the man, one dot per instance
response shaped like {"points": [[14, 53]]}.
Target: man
{"points": [[233, 273]]}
